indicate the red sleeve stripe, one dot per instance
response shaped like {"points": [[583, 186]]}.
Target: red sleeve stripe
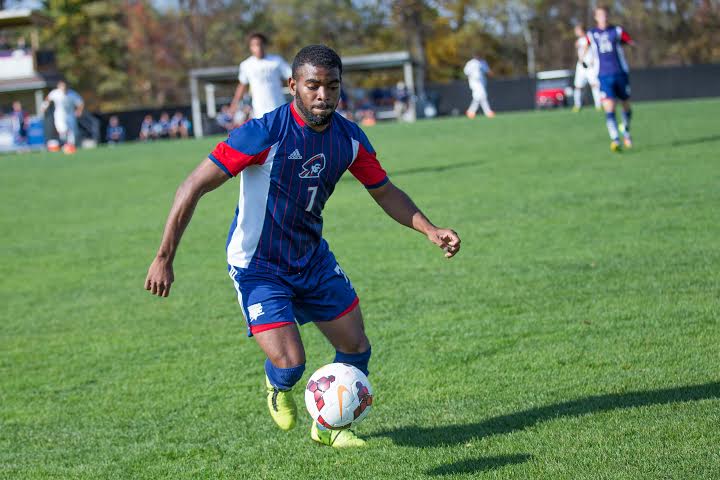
{"points": [[235, 161], [367, 169], [625, 37]]}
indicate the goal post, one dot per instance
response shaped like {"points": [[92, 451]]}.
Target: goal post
{"points": [[204, 80]]}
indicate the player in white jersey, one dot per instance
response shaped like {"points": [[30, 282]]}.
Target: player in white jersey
{"points": [[477, 70], [68, 106], [265, 74], [584, 71]]}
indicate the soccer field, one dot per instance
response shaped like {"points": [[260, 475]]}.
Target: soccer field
{"points": [[574, 336]]}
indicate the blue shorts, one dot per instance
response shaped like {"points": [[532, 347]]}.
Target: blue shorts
{"points": [[320, 293], [616, 86]]}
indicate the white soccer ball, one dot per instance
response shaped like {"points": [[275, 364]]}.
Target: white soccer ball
{"points": [[338, 395]]}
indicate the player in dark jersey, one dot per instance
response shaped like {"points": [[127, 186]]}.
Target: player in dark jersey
{"points": [[606, 41], [288, 162]]}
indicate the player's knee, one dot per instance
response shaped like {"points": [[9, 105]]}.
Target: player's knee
{"points": [[355, 345], [288, 359], [284, 378]]}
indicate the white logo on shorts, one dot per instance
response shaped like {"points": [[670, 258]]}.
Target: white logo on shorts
{"points": [[255, 311]]}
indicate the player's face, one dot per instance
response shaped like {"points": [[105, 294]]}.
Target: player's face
{"points": [[317, 92], [257, 48], [601, 17], [579, 32]]}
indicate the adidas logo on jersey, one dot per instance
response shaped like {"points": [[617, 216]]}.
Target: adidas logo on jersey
{"points": [[295, 155]]}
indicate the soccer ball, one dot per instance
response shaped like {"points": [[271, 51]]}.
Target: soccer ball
{"points": [[338, 395]]}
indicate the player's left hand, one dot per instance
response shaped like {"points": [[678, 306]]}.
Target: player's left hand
{"points": [[446, 239]]}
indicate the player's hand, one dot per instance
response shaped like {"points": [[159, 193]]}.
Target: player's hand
{"points": [[446, 239], [160, 277]]}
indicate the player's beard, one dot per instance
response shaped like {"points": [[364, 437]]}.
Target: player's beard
{"points": [[312, 119]]}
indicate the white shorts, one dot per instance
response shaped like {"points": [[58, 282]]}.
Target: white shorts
{"points": [[583, 76], [61, 124], [478, 91]]}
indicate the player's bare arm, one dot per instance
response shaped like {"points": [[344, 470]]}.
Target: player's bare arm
{"points": [[205, 178], [239, 93], [399, 206]]}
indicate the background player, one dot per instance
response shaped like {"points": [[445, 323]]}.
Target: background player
{"points": [[612, 70], [68, 106], [584, 75], [477, 70], [265, 74], [289, 162]]}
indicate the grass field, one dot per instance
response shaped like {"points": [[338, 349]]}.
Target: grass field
{"points": [[575, 336]]}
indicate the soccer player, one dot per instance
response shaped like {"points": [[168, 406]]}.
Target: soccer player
{"points": [[289, 162], [19, 123], [477, 70], [115, 133], [68, 106], [147, 132], [179, 126], [161, 129], [584, 75], [606, 43], [265, 74]]}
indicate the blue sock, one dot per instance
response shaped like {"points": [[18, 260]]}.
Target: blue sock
{"points": [[357, 360], [283, 378], [627, 116], [612, 126]]}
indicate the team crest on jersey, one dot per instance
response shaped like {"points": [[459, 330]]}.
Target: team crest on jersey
{"points": [[313, 167]]}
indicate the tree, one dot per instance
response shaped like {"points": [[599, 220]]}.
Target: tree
{"points": [[89, 38]]}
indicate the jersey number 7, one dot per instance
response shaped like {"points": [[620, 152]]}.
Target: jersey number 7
{"points": [[313, 194]]}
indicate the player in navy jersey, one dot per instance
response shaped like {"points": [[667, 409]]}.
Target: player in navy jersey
{"points": [[606, 41], [288, 163]]}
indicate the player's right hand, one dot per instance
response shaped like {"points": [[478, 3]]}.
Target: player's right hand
{"points": [[160, 277]]}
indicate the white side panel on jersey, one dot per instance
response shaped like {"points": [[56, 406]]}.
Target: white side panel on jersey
{"points": [[252, 208], [356, 149], [621, 53], [594, 69]]}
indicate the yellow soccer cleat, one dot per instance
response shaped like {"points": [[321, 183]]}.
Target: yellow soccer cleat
{"points": [[575, 109], [336, 438], [282, 406], [615, 146]]}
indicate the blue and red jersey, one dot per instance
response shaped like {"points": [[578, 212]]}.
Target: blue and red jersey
{"points": [[607, 48], [287, 173]]}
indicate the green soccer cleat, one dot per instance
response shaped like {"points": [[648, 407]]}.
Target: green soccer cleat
{"points": [[282, 406], [336, 438]]}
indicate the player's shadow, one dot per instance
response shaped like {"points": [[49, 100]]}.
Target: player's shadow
{"points": [[416, 436], [685, 142], [434, 168], [478, 465], [429, 169]]}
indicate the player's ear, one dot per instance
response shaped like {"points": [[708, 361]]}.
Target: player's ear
{"points": [[292, 85]]}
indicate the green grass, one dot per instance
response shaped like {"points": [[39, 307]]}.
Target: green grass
{"points": [[575, 335]]}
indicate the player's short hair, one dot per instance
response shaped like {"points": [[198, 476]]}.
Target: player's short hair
{"points": [[261, 36], [579, 25], [317, 56], [604, 8]]}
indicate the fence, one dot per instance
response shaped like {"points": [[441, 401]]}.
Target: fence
{"points": [[657, 83]]}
